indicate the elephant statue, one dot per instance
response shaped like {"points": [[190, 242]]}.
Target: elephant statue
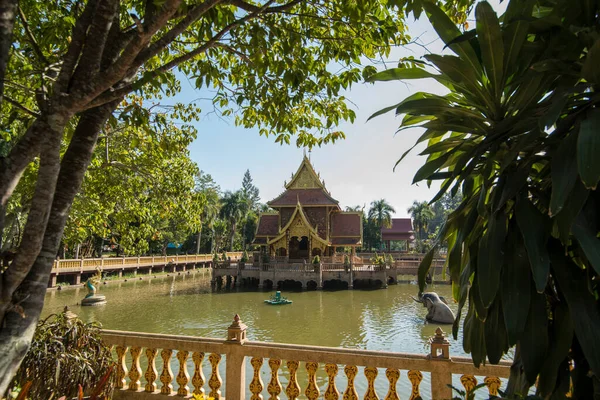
{"points": [[437, 308]]}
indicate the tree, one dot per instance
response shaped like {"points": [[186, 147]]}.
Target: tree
{"points": [[380, 216], [421, 213], [73, 64], [441, 209], [208, 188], [250, 191], [234, 208], [518, 133], [354, 209]]}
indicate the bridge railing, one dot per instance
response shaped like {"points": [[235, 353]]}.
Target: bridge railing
{"points": [[198, 365], [91, 263]]}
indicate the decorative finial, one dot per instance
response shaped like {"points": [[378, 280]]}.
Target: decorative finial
{"points": [[237, 330]]}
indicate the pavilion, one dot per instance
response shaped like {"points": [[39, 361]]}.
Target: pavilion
{"points": [[400, 232], [307, 221]]}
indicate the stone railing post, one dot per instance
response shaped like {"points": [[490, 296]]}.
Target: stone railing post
{"points": [[441, 375], [235, 367]]}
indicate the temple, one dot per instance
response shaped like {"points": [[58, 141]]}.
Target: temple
{"points": [[307, 221], [399, 236]]}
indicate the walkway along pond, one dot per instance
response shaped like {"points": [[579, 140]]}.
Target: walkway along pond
{"points": [[377, 320]]}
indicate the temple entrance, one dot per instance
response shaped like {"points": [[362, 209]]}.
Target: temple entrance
{"points": [[298, 248]]}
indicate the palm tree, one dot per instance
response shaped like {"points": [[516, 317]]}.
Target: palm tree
{"points": [[210, 211], [234, 207], [421, 214], [354, 209], [381, 213]]}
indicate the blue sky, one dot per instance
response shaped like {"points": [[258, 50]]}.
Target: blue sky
{"points": [[356, 170]]}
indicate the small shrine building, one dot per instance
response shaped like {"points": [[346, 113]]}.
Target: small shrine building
{"points": [[307, 221], [400, 233]]}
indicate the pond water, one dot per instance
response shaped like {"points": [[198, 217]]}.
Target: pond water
{"points": [[386, 319]]}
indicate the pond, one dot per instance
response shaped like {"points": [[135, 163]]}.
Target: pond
{"points": [[386, 319]]}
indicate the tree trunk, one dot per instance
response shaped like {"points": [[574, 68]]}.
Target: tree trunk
{"points": [[20, 320], [8, 13], [198, 240]]}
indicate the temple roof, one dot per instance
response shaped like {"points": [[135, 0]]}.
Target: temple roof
{"points": [[346, 224], [306, 197], [305, 177], [401, 229], [303, 221], [268, 225]]}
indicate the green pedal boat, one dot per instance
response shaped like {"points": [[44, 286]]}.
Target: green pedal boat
{"points": [[277, 299]]}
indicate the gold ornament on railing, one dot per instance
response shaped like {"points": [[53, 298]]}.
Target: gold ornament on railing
{"points": [[274, 388], [256, 386], [493, 384], [392, 376], [136, 371], [331, 393], [166, 377], [121, 367], [371, 374], [150, 375], [312, 390], [293, 389], [215, 381], [350, 393], [183, 377], [198, 378], [469, 382], [415, 377]]}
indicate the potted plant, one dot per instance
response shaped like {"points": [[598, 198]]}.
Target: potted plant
{"points": [[244, 259], [390, 260], [378, 261], [346, 263], [316, 263]]}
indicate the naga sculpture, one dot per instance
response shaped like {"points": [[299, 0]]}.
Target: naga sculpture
{"points": [[437, 308], [92, 299]]}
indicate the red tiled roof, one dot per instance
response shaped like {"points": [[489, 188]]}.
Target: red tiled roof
{"points": [[268, 225], [399, 225], [343, 224], [307, 197], [398, 236], [345, 241], [260, 240]]}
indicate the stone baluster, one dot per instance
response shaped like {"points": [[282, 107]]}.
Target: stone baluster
{"points": [[312, 390], [350, 393], [469, 382], [274, 387], [293, 389], [151, 373], [256, 386], [441, 375], [331, 393], [215, 381], [235, 368], [121, 367], [493, 384], [183, 377], [166, 377], [136, 371], [371, 374], [198, 378], [415, 377], [392, 376]]}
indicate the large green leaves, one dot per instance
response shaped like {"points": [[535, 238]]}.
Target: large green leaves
{"points": [[564, 173], [400, 73], [534, 341], [491, 258], [588, 148], [492, 48], [533, 226]]}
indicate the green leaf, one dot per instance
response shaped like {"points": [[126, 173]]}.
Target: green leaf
{"points": [[448, 31], [590, 71], [573, 282], [561, 338], [424, 268], [394, 74], [492, 47], [432, 166], [516, 287], [575, 201], [534, 341], [588, 149], [480, 308], [533, 228], [491, 258], [585, 231], [496, 341], [564, 173]]}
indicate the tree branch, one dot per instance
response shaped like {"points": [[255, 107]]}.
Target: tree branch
{"points": [[252, 8], [34, 43], [7, 22], [22, 107]]}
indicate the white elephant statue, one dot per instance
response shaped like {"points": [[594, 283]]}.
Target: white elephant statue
{"points": [[437, 308]]}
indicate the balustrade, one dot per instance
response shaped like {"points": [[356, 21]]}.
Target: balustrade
{"points": [[299, 365]]}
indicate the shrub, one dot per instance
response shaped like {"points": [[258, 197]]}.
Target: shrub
{"points": [[245, 257], [316, 260], [64, 354]]}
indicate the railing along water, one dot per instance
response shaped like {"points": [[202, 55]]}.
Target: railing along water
{"points": [[192, 352]]}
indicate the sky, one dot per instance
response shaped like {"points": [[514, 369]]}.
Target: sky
{"points": [[356, 170]]}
